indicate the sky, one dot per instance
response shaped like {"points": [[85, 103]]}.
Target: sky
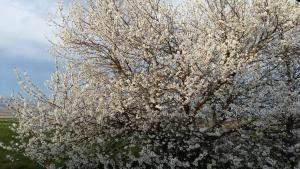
{"points": [[24, 30]]}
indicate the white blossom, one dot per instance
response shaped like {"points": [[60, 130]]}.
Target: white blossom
{"points": [[207, 84]]}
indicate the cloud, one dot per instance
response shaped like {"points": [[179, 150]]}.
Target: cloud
{"points": [[39, 7], [23, 43], [24, 28]]}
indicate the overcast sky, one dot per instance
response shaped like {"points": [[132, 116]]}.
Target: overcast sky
{"points": [[24, 30], [23, 43]]}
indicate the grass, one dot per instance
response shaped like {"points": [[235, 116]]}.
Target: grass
{"points": [[20, 162], [7, 135]]}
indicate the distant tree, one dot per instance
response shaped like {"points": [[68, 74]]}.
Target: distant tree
{"points": [[144, 84]]}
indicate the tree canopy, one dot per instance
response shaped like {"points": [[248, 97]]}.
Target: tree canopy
{"points": [[146, 84]]}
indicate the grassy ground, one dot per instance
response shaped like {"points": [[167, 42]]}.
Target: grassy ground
{"points": [[21, 162]]}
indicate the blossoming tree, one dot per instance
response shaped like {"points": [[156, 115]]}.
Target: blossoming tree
{"points": [[144, 84]]}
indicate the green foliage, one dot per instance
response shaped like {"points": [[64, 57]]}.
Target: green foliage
{"points": [[20, 162], [122, 147], [115, 147]]}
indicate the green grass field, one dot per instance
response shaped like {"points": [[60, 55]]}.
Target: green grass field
{"points": [[21, 162]]}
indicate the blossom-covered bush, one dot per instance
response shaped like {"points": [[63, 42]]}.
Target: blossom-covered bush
{"points": [[146, 84]]}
